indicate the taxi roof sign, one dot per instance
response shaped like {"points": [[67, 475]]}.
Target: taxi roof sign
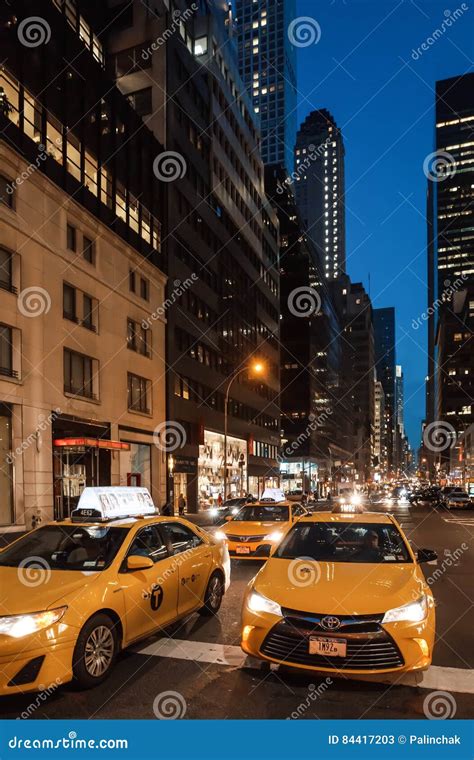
{"points": [[273, 494], [111, 503]]}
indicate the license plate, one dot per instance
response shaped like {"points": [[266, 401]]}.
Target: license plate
{"points": [[327, 647], [242, 549]]}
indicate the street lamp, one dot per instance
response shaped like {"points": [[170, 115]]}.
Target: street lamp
{"points": [[257, 368]]}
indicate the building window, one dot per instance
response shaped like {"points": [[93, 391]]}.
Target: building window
{"points": [[71, 237], [88, 249], [200, 46], [6, 352], [6, 271], [80, 307], [78, 374], [69, 303], [137, 338], [141, 101], [6, 192], [138, 394], [138, 285]]}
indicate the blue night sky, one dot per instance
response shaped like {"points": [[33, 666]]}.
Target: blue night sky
{"points": [[383, 100]]}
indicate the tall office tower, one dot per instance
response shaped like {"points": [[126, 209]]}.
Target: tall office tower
{"points": [[315, 411], [451, 261], [399, 398], [380, 430], [384, 336], [267, 63], [221, 244], [355, 307], [319, 169]]}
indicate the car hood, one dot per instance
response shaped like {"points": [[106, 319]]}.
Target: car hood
{"points": [[253, 528], [339, 588], [53, 588]]}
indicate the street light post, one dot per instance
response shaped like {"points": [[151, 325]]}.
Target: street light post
{"points": [[258, 369]]}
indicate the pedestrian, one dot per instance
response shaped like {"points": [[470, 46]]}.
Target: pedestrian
{"points": [[219, 500], [181, 505]]}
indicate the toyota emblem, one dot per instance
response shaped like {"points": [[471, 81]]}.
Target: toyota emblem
{"points": [[330, 623]]}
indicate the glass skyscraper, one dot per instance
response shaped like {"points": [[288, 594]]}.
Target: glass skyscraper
{"points": [[267, 63]]}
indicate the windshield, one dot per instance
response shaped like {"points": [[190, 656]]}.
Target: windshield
{"points": [[263, 513], [344, 542], [65, 547]]}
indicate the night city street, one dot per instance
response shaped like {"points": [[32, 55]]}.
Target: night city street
{"points": [[237, 379]]}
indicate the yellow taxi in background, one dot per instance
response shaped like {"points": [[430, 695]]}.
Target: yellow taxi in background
{"points": [[77, 591], [256, 528], [342, 592]]}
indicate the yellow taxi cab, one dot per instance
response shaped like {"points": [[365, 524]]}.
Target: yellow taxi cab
{"points": [[77, 591], [256, 528], [342, 592]]}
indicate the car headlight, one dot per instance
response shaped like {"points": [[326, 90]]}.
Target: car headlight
{"points": [[213, 512], [356, 499], [220, 535], [17, 626], [259, 603], [414, 612], [341, 500], [275, 536], [234, 510]]}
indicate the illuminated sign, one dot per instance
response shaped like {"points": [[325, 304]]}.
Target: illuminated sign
{"points": [[111, 503], [273, 494], [94, 443]]}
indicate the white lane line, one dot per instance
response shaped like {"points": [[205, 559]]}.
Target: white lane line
{"points": [[437, 677]]}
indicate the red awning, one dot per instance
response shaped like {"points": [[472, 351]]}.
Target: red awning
{"points": [[91, 443]]}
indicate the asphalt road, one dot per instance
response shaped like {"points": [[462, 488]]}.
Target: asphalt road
{"points": [[209, 677]]}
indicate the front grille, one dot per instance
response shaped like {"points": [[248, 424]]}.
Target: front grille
{"points": [[246, 539], [311, 623], [371, 651]]}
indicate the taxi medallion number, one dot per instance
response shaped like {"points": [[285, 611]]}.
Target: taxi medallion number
{"points": [[327, 647]]}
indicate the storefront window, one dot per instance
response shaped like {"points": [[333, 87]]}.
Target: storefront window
{"points": [[6, 467], [211, 468], [135, 466]]}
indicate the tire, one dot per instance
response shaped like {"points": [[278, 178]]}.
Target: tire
{"points": [[88, 670], [213, 596]]}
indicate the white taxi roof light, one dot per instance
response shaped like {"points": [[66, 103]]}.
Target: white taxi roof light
{"points": [[112, 503], [273, 494]]}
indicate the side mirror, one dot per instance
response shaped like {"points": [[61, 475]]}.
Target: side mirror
{"points": [[426, 555], [229, 518], [138, 562]]}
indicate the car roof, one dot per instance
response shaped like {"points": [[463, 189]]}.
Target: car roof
{"points": [[357, 517], [120, 522]]}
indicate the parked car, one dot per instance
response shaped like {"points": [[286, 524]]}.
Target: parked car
{"points": [[229, 508]]}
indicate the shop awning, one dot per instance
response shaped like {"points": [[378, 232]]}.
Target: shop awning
{"points": [[90, 443]]}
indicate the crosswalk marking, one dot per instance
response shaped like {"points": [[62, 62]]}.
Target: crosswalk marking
{"points": [[437, 677]]}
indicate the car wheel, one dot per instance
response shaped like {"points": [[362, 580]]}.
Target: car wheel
{"points": [[95, 651], [213, 596]]}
